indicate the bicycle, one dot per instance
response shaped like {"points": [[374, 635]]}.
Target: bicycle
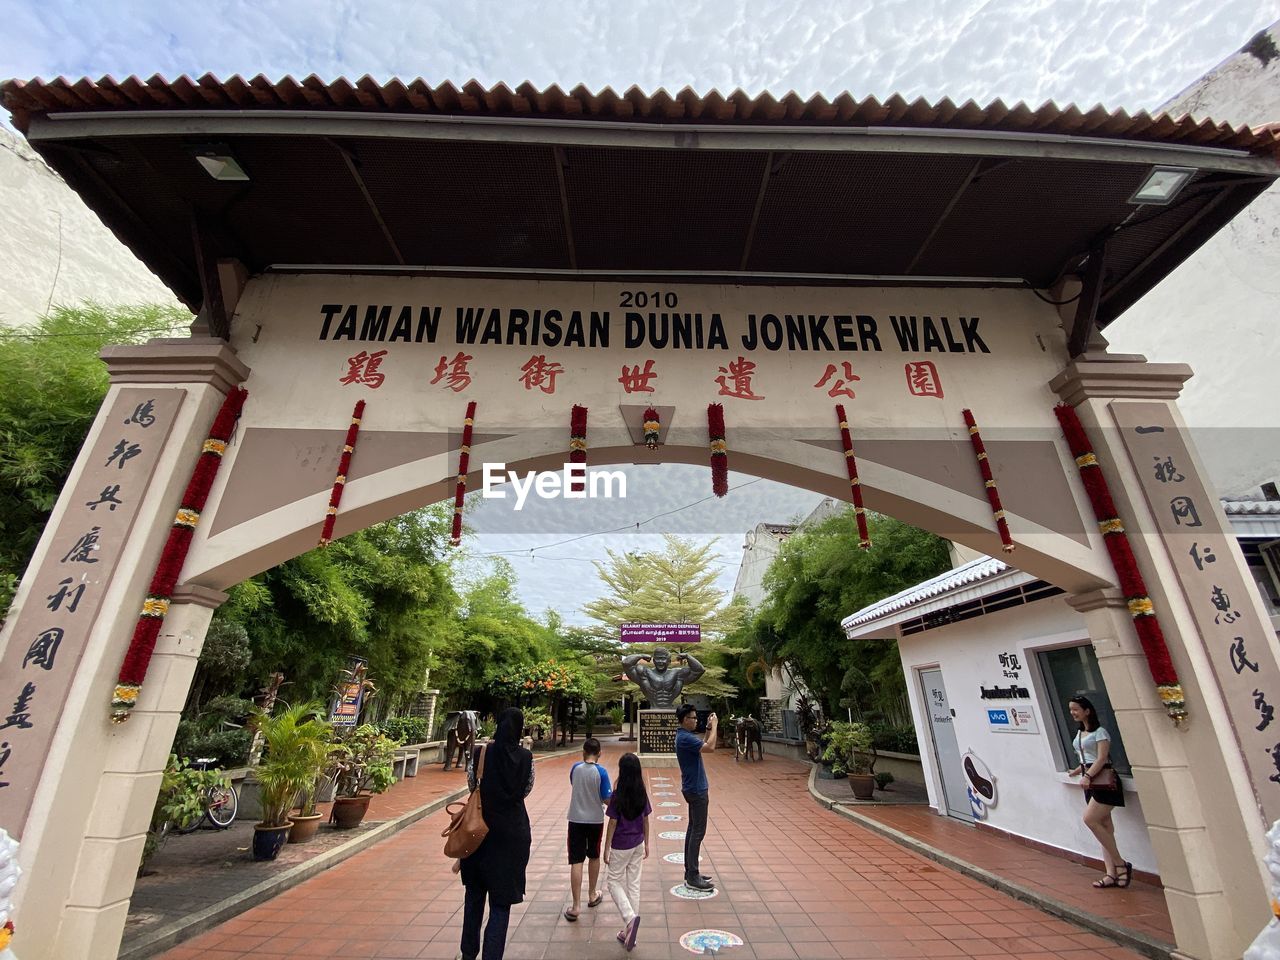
{"points": [[221, 803]]}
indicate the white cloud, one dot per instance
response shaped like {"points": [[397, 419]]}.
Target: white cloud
{"points": [[1118, 52]]}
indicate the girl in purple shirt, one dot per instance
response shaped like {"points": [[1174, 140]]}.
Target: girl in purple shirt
{"points": [[626, 845]]}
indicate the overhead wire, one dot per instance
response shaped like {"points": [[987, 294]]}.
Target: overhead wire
{"points": [[529, 551]]}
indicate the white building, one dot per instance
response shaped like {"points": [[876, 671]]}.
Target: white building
{"points": [[990, 653], [55, 249]]}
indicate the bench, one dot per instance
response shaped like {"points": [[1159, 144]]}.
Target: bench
{"points": [[406, 763]]}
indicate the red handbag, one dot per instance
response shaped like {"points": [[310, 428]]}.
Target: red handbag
{"points": [[466, 829]]}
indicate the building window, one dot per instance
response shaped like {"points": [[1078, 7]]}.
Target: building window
{"points": [[1267, 575], [1069, 672]]}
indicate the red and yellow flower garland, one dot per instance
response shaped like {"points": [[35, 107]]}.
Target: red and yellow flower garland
{"points": [[719, 450], [340, 481], [855, 485], [652, 427], [578, 442], [988, 482], [464, 460], [1132, 585], [156, 604]]}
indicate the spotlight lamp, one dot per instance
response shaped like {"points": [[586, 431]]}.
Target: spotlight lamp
{"points": [[1161, 185], [219, 163]]}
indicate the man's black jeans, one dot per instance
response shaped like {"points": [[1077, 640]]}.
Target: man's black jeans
{"points": [[698, 803], [495, 932]]}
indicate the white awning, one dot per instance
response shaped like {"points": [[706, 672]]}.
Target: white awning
{"points": [[969, 581]]}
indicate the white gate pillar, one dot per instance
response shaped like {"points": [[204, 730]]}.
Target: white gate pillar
{"points": [[82, 788], [1202, 803]]}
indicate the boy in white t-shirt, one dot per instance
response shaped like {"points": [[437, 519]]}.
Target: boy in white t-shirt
{"points": [[589, 792]]}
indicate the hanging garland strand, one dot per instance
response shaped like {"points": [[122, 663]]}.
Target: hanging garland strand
{"points": [[652, 427], [340, 481], [988, 481], [578, 443], [138, 657], [719, 450], [464, 460], [855, 485], [1134, 588]]}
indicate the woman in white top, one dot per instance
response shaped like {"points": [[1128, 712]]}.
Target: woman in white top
{"points": [[1093, 748]]}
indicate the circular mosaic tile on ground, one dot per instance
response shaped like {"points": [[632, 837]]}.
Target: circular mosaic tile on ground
{"points": [[671, 818], [671, 835], [689, 893], [701, 941], [666, 793], [674, 858], [668, 803]]}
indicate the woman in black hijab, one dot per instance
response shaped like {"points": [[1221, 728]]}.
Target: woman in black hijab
{"points": [[496, 870]]}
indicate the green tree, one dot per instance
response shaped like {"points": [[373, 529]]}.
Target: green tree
{"points": [[384, 593], [495, 634], [52, 387], [819, 577], [673, 585]]}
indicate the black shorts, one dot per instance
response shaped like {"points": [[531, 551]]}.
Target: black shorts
{"points": [[1112, 798], [584, 841]]}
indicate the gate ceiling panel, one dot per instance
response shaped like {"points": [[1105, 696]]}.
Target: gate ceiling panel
{"points": [[661, 209], [846, 226], [467, 203], [395, 174]]}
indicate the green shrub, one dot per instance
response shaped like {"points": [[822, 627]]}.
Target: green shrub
{"points": [[405, 729], [883, 779], [365, 760], [538, 718], [229, 747], [617, 714], [895, 739], [181, 800], [849, 744]]}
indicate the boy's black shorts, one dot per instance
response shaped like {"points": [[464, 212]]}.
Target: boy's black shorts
{"points": [[584, 841]]}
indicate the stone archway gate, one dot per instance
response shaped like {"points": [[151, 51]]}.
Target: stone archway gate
{"points": [[778, 258]]}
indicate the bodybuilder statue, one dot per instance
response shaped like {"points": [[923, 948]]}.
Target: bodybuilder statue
{"points": [[658, 681]]}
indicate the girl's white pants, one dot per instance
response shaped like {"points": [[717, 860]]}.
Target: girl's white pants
{"points": [[624, 880]]}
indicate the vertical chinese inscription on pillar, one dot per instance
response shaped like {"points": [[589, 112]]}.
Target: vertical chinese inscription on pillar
{"points": [[1235, 636], [53, 626]]}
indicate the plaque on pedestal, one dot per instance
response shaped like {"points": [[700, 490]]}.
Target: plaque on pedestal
{"points": [[658, 737]]}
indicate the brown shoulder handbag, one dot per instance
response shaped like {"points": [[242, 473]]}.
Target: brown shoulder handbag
{"points": [[466, 829]]}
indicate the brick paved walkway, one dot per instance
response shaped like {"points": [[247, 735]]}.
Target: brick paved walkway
{"points": [[192, 873], [796, 881], [1140, 907]]}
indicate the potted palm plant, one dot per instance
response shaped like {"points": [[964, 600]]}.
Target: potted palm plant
{"points": [[295, 742], [365, 762], [849, 746], [324, 766]]}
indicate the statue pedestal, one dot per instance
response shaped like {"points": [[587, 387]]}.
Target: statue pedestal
{"points": [[657, 738]]}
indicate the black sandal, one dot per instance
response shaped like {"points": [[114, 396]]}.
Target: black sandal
{"points": [[1107, 882], [1128, 875], [573, 917]]}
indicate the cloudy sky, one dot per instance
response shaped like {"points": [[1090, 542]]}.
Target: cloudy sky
{"points": [[1134, 54]]}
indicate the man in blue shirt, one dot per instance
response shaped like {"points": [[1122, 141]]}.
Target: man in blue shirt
{"points": [[693, 783]]}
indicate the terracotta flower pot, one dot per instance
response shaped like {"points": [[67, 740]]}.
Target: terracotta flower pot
{"points": [[304, 828], [863, 785], [349, 811], [267, 841]]}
